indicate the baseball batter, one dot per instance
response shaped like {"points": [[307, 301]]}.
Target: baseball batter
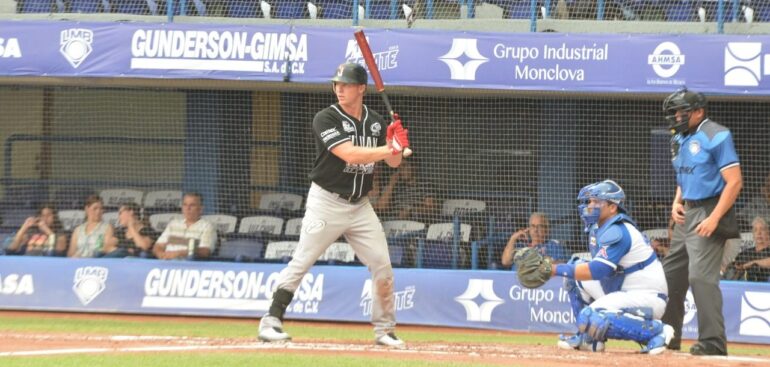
{"points": [[350, 138], [621, 292]]}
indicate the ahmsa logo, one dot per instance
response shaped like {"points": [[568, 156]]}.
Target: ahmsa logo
{"points": [[483, 311], [89, 282], [666, 59], [76, 45], [463, 47]]}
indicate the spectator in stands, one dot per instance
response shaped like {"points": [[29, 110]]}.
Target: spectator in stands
{"points": [[189, 237], [416, 201], [379, 196], [536, 235], [40, 235], [135, 236], [662, 245], [755, 261], [759, 206], [90, 238]]}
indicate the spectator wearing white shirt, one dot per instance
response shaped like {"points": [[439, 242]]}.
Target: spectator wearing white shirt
{"points": [[189, 236]]}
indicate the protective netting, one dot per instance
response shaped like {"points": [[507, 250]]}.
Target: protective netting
{"points": [[483, 160], [360, 10]]}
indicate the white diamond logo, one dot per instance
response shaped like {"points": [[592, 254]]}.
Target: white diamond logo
{"points": [[479, 288], [463, 47]]}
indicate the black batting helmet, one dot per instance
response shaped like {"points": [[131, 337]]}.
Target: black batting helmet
{"points": [[350, 73], [682, 100]]}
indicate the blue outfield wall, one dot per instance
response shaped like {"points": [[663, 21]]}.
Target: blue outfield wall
{"points": [[474, 299]]}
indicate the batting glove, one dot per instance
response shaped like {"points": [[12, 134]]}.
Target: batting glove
{"points": [[399, 141], [395, 125]]}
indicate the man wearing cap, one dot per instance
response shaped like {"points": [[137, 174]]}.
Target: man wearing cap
{"points": [[350, 139]]}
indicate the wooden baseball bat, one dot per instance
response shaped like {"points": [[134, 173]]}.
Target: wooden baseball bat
{"points": [[363, 44]]}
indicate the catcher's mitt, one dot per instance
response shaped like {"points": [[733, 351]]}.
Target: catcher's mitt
{"points": [[532, 268]]}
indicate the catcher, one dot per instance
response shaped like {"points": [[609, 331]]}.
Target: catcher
{"points": [[621, 293]]}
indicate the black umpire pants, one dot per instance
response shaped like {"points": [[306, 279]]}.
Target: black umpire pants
{"points": [[695, 261]]}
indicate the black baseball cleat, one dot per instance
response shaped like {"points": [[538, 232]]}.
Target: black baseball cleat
{"points": [[674, 345], [700, 349]]}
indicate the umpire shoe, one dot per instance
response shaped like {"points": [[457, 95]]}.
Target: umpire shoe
{"points": [[579, 342], [271, 330], [700, 349], [390, 340], [658, 343]]}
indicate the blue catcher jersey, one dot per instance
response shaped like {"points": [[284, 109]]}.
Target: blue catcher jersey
{"points": [[619, 244], [700, 159]]}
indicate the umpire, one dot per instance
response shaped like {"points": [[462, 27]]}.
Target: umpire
{"points": [[708, 176]]}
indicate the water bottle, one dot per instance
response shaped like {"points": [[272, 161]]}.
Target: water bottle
{"points": [[99, 248], [191, 249], [49, 247]]}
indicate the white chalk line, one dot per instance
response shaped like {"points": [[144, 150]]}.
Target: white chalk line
{"points": [[199, 344]]}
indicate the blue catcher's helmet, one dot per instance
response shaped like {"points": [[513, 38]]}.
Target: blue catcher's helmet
{"points": [[606, 190]]}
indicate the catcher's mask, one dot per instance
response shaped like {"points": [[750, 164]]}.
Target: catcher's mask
{"points": [[682, 100], [350, 73], [606, 190]]}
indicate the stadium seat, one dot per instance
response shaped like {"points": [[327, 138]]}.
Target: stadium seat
{"points": [[336, 10], [241, 248], [338, 252], [89, 6], [656, 233], [379, 10], [280, 251], [441, 246], [71, 197], [680, 11], [290, 9], [280, 201], [71, 218], [224, 223], [166, 200], [761, 10], [113, 198], [748, 239], [40, 6], [138, 7], [261, 223], [397, 228], [159, 221], [111, 218], [453, 207], [293, 228], [243, 9], [14, 217]]}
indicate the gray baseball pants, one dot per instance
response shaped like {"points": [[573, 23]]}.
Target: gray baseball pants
{"points": [[327, 217], [695, 261]]}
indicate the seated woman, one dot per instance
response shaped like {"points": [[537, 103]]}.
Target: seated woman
{"points": [[90, 238], [40, 235], [756, 260], [135, 236]]}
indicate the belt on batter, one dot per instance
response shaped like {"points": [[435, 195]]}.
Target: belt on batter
{"points": [[348, 198]]}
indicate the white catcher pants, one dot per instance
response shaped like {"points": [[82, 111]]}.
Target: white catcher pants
{"points": [[327, 217]]}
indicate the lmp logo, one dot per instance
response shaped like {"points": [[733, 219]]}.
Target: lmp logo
{"points": [[89, 282], [76, 45], [743, 64], [755, 314], [463, 47], [666, 59], [479, 288]]}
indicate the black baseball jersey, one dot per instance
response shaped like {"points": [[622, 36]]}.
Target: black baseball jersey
{"points": [[331, 127]]}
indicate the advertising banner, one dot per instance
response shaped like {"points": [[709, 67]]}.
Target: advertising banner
{"points": [[474, 299], [617, 63]]}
